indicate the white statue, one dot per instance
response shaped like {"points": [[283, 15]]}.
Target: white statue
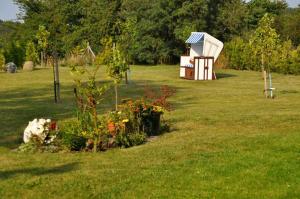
{"points": [[39, 128]]}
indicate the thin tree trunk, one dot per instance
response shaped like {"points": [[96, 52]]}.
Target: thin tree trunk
{"points": [[94, 107], [56, 78], [42, 59], [126, 77], [116, 92], [264, 75]]}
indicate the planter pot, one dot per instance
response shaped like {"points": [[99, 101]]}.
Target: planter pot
{"points": [[151, 124], [156, 123], [28, 66]]}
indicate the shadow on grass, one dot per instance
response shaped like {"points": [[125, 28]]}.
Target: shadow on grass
{"points": [[224, 75], [38, 171], [21, 105]]}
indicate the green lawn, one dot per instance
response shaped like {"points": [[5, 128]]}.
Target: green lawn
{"points": [[227, 141]]}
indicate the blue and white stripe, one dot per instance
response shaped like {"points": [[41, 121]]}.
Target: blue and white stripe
{"points": [[195, 37]]}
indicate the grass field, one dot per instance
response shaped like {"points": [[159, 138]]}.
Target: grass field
{"points": [[227, 141]]}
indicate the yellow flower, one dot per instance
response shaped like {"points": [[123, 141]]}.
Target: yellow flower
{"points": [[158, 109], [125, 120], [84, 133]]}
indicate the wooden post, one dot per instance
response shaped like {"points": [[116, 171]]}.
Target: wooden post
{"points": [[264, 76], [266, 86]]}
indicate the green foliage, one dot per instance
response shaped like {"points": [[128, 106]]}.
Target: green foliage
{"points": [[30, 147], [270, 53], [71, 136], [42, 36], [2, 61], [89, 95], [258, 8], [31, 53], [231, 19], [288, 26], [117, 66], [264, 41], [107, 51], [149, 31], [130, 139], [14, 52]]}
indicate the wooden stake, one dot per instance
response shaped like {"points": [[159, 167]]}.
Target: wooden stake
{"points": [[266, 86]]}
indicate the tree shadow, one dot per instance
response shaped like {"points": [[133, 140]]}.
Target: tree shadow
{"points": [[224, 75], [38, 171]]}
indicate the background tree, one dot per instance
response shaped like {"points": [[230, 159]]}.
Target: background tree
{"points": [[42, 37], [2, 61], [231, 19], [288, 26], [31, 53]]}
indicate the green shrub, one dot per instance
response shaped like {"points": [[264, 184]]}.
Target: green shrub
{"points": [[71, 136], [2, 61], [73, 142], [14, 52], [31, 53], [130, 139], [284, 59]]}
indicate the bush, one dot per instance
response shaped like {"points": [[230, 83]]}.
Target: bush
{"points": [[73, 142], [130, 139], [284, 59], [31, 53], [2, 61], [160, 98], [14, 52], [71, 136]]}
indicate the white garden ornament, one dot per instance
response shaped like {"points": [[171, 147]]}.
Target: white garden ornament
{"points": [[37, 127]]}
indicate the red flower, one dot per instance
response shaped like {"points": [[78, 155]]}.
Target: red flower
{"points": [[53, 126]]}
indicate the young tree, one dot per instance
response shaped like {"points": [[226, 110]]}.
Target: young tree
{"points": [[116, 68], [31, 54], [42, 37], [264, 43]]}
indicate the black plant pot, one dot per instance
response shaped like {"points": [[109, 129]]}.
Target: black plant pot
{"points": [[151, 124]]}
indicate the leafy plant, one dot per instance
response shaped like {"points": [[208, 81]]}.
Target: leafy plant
{"points": [[71, 136], [2, 61], [160, 98], [130, 139], [116, 67], [89, 94], [42, 36], [31, 54]]}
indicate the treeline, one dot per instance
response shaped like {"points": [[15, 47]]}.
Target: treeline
{"points": [[148, 31]]}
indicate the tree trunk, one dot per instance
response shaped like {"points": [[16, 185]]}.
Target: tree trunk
{"points": [[56, 79], [116, 92], [126, 77], [42, 59], [264, 75]]}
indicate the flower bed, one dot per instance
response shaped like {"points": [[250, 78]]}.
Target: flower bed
{"points": [[134, 121]]}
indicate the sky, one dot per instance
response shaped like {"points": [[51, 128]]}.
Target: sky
{"points": [[8, 10]]}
